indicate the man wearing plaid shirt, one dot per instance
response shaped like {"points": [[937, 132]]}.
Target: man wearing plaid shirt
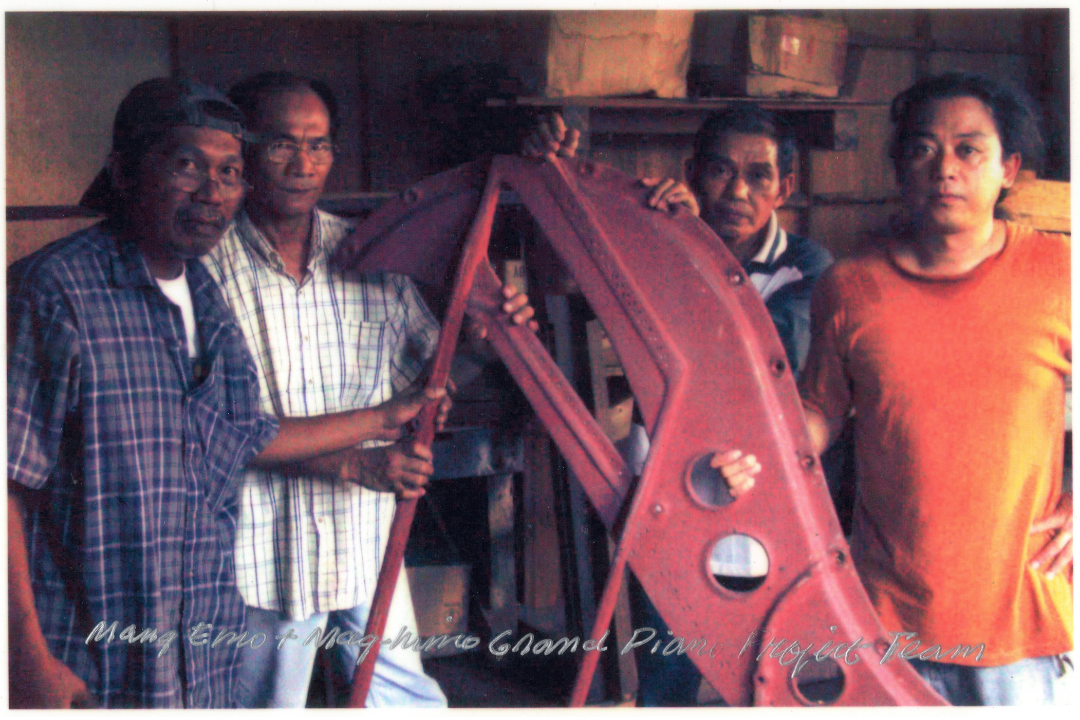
{"points": [[337, 354], [132, 404]]}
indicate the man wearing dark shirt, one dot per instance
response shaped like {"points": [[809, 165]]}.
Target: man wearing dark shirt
{"points": [[132, 403]]}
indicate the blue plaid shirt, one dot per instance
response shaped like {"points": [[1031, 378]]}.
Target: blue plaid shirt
{"points": [[131, 465]]}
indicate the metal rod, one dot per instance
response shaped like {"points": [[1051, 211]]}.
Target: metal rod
{"points": [[475, 252]]}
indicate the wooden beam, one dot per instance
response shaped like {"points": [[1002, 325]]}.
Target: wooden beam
{"points": [[1043, 204]]}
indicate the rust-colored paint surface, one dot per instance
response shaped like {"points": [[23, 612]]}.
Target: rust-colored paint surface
{"points": [[709, 375]]}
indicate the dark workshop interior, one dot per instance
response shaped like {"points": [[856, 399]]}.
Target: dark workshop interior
{"points": [[506, 539]]}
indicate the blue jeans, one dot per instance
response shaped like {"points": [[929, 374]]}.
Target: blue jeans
{"points": [[1032, 681], [663, 681], [269, 677]]}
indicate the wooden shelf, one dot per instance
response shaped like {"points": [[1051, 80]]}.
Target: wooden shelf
{"points": [[698, 105], [820, 123], [354, 203], [21, 213], [348, 204]]}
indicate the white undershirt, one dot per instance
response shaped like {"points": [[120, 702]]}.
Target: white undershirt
{"points": [[178, 291]]}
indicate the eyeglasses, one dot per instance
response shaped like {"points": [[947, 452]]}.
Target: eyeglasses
{"points": [[280, 152], [189, 176]]}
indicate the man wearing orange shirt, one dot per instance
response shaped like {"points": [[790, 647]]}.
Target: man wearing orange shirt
{"points": [[951, 341]]}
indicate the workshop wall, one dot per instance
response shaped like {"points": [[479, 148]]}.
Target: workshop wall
{"points": [[855, 191], [66, 74], [222, 49], [412, 87]]}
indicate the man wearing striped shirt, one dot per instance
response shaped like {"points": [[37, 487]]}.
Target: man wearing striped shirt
{"points": [[337, 354]]}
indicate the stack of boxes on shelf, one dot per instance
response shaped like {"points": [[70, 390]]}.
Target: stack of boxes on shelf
{"points": [[793, 55], [647, 53], [642, 53]]}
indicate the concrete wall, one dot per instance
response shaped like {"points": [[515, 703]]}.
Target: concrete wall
{"points": [[66, 74]]}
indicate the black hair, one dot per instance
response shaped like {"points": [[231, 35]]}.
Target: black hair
{"points": [[247, 93], [1014, 114], [751, 121]]}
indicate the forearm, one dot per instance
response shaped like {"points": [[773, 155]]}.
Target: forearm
{"points": [[305, 439], [329, 466], [25, 634], [400, 469]]}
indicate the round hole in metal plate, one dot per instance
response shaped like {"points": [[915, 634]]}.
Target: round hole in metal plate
{"points": [[707, 485], [738, 562], [820, 682]]}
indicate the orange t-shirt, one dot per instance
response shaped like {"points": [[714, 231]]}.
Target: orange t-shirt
{"points": [[958, 391]]}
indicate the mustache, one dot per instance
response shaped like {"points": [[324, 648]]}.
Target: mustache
{"points": [[735, 208], [202, 216]]}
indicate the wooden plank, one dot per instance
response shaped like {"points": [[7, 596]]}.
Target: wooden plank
{"points": [[621, 675], [841, 228], [1043, 204], [882, 28], [867, 41], [864, 172], [579, 524], [503, 595], [1011, 69], [704, 104], [24, 213], [844, 199], [644, 155], [883, 73], [761, 85], [543, 603], [994, 31], [595, 337], [922, 32], [646, 122], [817, 121], [339, 203]]}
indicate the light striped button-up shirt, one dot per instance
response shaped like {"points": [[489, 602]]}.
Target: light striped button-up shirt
{"points": [[337, 341]]}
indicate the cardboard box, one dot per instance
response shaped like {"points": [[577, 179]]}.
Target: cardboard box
{"points": [[806, 49], [618, 53], [757, 85], [440, 596]]}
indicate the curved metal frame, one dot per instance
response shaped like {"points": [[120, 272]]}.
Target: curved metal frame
{"points": [[709, 374]]}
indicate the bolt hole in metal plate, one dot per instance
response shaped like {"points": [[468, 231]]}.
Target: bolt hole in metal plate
{"points": [[739, 563], [819, 682], [707, 485]]}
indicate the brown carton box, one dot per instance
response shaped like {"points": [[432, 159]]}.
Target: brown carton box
{"points": [[618, 53], [805, 49], [440, 596]]}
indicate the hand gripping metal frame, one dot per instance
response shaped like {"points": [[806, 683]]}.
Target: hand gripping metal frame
{"points": [[709, 374]]}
